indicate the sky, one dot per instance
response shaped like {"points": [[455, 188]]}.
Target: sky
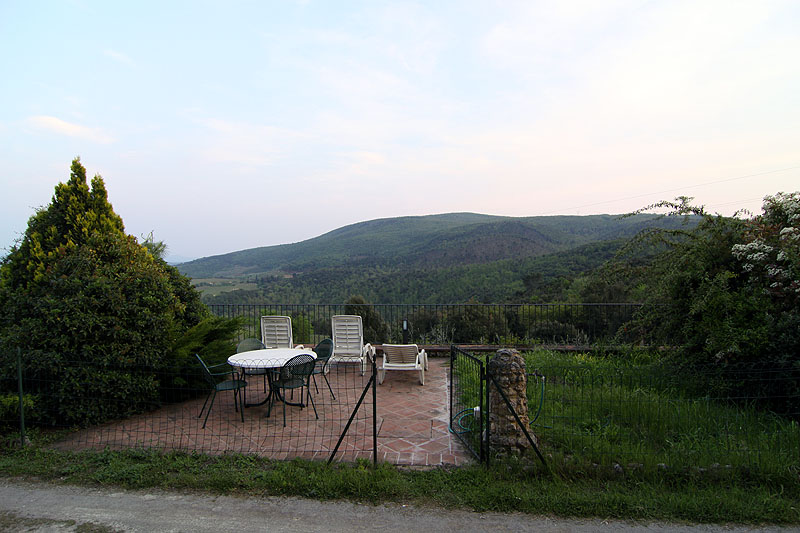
{"points": [[223, 126]]}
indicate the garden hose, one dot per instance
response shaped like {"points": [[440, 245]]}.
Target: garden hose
{"points": [[459, 418], [541, 403]]}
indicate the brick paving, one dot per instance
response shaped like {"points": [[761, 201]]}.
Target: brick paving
{"points": [[412, 423]]}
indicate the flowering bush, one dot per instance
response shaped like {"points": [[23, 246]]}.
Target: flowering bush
{"points": [[770, 258]]}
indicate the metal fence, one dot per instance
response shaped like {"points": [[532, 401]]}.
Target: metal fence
{"points": [[612, 414], [445, 324], [84, 407]]}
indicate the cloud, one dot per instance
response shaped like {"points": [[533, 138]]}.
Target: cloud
{"points": [[62, 127], [118, 57], [246, 145]]}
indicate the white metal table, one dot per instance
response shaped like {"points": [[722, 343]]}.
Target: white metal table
{"points": [[266, 359]]}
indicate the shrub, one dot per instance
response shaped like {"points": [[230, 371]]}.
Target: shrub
{"points": [[375, 329], [96, 314]]}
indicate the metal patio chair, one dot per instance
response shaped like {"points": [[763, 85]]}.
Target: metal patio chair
{"points": [[324, 350], [233, 384], [294, 374]]}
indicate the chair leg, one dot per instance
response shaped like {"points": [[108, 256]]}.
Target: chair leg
{"points": [[213, 397], [329, 386], [270, 400], [204, 405], [422, 375], [312, 403]]}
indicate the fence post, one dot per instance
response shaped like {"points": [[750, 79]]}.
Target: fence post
{"points": [[484, 412], [374, 413], [22, 436]]}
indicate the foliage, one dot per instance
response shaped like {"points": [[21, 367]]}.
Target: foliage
{"points": [[9, 408], [438, 259], [75, 213], [78, 289], [375, 328], [633, 409], [727, 291], [472, 323]]}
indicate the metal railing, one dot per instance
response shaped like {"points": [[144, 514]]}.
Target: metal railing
{"points": [[445, 324]]}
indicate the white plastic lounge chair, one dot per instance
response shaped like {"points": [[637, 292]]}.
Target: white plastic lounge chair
{"points": [[403, 357], [276, 332], [348, 341]]}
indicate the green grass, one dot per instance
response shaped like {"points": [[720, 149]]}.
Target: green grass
{"points": [[633, 412], [216, 286], [506, 487]]}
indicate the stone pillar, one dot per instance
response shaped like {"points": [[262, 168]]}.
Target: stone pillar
{"points": [[505, 435]]}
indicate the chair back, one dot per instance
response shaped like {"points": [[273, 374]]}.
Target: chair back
{"points": [[348, 335], [249, 344], [295, 371], [404, 354], [324, 350], [276, 331], [206, 372]]}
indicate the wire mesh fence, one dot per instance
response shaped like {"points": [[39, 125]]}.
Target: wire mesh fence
{"points": [[705, 417], [655, 416], [137, 408], [467, 400]]}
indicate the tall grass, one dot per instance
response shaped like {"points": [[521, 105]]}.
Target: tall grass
{"points": [[637, 413], [631, 412]]}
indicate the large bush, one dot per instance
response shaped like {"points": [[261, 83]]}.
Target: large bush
{"points": [[376, 330], [98, 317], [727, 294]]}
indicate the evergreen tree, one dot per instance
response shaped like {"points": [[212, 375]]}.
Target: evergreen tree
{"points": [[97, 314]]}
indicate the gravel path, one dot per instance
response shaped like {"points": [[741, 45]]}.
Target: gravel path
{"points": [[30, 506]]}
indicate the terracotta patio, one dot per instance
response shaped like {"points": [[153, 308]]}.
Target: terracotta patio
{"points": [[412, 423]]}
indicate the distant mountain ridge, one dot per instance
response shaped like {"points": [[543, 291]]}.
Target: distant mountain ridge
{"points": [[431, 242]]}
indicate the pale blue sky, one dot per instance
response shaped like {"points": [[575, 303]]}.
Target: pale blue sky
{"points": [[229, 125]]}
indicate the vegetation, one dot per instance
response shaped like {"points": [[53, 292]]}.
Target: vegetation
{"points": [[435, 259], [77, 289], [637, 411], [507, 487], [725, 293]]}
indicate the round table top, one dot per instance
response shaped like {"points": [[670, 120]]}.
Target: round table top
{"points": [[267, 358]]}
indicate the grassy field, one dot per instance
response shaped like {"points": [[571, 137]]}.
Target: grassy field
{"points": [[638, 414], [216, 286], [598, 415]]}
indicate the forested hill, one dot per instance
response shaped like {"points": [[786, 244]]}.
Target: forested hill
{"points": [[434, 241], [435, 258]]}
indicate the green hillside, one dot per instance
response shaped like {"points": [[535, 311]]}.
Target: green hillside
{"points": [[428, 259]]}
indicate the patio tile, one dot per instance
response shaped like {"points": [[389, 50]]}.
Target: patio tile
{"points": [[412, 424]]}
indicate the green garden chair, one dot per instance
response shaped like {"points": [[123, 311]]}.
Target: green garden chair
{"points": [[233, 384], [324, 350], [253, 344], [294, 374]]}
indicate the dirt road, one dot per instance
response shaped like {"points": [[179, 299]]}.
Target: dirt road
{"points": [[28, 506]]}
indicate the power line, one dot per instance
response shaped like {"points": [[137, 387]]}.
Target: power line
{"points": [[674, 190]]}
